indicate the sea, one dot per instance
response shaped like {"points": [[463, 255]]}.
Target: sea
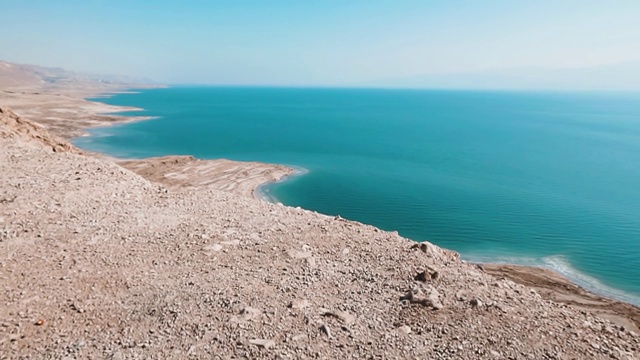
{"points": [[549, 179]]}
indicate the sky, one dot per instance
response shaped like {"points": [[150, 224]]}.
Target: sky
{"points": [[323, 42]]}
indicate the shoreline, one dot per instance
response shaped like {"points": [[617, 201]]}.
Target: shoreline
{"points": [[559, 265], [260, 192], [65, 111], [182, 173], [178, 173], [554, 286]]}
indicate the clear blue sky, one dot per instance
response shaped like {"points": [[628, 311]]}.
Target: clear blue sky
{"points": [[315, 42]]}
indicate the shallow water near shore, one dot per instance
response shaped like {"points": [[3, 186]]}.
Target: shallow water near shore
{"points": [[543, 179]]}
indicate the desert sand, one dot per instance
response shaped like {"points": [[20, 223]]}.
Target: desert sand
{"points": [[173, 258]]}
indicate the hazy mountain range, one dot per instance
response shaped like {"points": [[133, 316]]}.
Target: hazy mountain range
{"points": [[21, 75], [620, 76]]}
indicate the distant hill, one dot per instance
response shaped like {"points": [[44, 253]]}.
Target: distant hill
{"points": [[620, 76], [21, 75]]}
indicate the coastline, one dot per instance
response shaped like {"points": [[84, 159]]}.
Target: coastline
{"points": [[552, 285], [64, 111], [183, 173], [65, 114], [262, 193]]}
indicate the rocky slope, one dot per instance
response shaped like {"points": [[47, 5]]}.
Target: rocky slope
{"points": [[13, 126], [97, 262]]}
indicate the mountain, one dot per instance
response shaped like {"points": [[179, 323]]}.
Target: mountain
{"points": [[620, 76], [21, 75]]}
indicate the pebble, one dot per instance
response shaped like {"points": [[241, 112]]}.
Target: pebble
{"points": [[325, 329], [344, 316], [299, 304], [212, 248], [265, 343]]}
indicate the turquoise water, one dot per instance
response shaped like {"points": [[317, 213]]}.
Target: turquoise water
{"points": [[548, 179]]}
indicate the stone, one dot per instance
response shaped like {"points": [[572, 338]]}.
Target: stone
{"points": [[212, 248], [426, 248], [325, 329], [249, 313], [296, 254], [417, 296], [311, 262], [422, 276], [344, 316], [265, 343], [299, 304]]}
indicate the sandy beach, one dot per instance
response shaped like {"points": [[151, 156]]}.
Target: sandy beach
{"points": [[173, 257]]}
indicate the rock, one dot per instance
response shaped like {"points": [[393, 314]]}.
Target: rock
{"points": [[462, 295], [325, 329], [417, 296], [263, 343], [311, 262], [435, 275], [296, 254], [344, 316], [422, 246], [299, 304], [404, 329], [76, 308], [422, 276], [476, 303], [212, 248], [426, 248], [249, 313], [299, 337], [434, 298], [428, 274]]}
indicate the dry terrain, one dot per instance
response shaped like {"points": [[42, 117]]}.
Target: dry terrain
{"points": [[189, 173], [97, 261]]}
